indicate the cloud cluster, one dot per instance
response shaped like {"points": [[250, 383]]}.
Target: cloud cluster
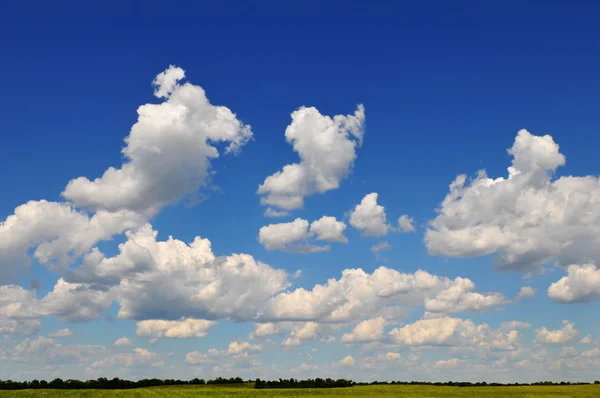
{"points": [[327, 150], [358, 292], [456, 332], [169, 279], [370, 217]]}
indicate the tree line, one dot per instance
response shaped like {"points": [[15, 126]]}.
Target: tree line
{"points": [[117, 383], [309, 383]]}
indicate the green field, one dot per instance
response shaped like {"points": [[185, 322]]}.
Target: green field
{"points": [[360, 391]]}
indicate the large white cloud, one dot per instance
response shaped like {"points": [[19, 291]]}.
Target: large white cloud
{"points": [[295, 236], [528, 219], [170, 279], [168, 150], [358, 292], [327, 150], [582, 283]]}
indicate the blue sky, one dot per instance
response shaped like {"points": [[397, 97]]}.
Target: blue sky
{"points": [[446, 88]]}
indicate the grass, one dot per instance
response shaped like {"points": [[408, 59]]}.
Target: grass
{"points": [[359, 391]]}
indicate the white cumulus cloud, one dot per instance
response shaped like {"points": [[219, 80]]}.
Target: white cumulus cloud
{"points": [[167, 152], [327, 150], [567, 334], [154, 329], [296, 237], [582, 283], [370, 217], [528, 219], [122, 342]]}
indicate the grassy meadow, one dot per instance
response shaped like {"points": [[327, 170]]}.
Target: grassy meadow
{"points": [[582, 391]]}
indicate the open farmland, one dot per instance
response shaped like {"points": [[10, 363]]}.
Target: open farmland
{"points": [[580, 391]]}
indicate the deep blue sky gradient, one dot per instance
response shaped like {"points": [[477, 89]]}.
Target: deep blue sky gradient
{"points": [[446, 87]]}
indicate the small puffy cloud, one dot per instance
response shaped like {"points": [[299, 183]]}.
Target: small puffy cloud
{"points": [[139, 356], [515, 325], [167, 152], [591, 353], [460, 297], [329, 229], [301, 333], [366, 331], [264, 330], [153, 329], [380, 247], [239, 347], [561, 336], [528, 218], [327, 150], [586, 340], [370, 217], [526, 292], [449, 364], [278, 236], [236, 350], [61, 333], [405, 223], [200, 358], [582, 283], [347, 361], [294, 236], [122, 342], [285, 237], [274, 213]]}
